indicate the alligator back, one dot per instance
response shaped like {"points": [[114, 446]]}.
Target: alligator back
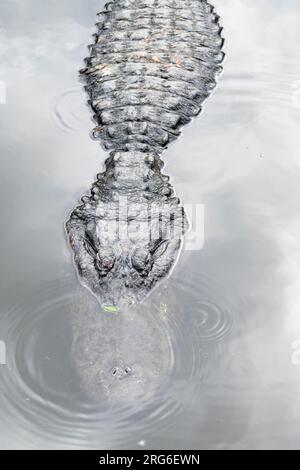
{"points": [[153, 64]]}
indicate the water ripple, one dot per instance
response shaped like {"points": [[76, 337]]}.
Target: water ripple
{"points": [[209, 306], [212, 322], [68, 109], [40, 390], [42, 400]]}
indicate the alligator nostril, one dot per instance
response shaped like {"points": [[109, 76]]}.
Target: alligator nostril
{"points": [[121, 372]]}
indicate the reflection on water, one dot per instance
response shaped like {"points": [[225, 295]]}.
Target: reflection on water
{"points": [[230, 312], [63, 351]]}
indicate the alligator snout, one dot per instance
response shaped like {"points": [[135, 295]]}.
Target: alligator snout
{"points": [[120, 372]]}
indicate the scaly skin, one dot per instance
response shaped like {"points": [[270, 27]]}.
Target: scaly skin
{"points": [[151, 67]]}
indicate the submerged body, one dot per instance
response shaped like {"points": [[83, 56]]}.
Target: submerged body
{"points": [[120, 357], [152, 65]]}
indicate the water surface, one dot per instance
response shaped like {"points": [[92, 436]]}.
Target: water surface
{"points": [[232, 308]]}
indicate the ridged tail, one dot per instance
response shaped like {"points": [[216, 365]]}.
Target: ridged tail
{"points": [[152, 65]]}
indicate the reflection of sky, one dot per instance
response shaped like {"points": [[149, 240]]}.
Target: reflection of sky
{"points": [[240, 159]]}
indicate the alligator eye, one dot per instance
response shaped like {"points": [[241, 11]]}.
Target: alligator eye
{"points": [[89, 242], [141, 259], [89, 248], [159, 248], [104, 262]]}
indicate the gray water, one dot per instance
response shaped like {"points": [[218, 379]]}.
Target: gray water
{"points": [[232, 308]]}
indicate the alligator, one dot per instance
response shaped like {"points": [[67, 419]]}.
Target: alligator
{"points": [[151, 66]]}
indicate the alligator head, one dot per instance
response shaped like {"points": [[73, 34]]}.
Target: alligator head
{"points": [[119, 256]]}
